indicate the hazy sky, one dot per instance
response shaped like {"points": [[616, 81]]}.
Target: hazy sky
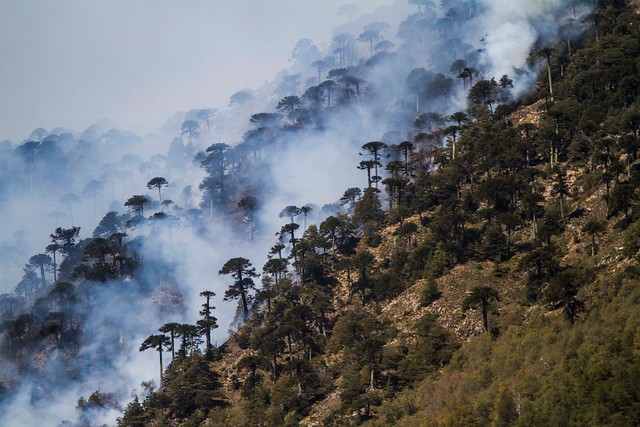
{"points": [[71, 63]]}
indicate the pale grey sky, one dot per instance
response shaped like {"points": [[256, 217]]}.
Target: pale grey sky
{"points": [[71, 63]]}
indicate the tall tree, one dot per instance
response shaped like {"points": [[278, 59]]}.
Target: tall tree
{"points": [[243, 273], [137, 203], [368, 165], [191, 128], [208, 322], [562, 292], [547, 53], [171, 329], [481, 297], [592, 227], [156, 342], [41, 261], [250, 206], [288, 104], [305, 211], [374, 149], [65, 237], [158, 182], [52, 249], [290, 211], [320, 65], [241, 98], [350, 197], [417, 83], [370, 36]]}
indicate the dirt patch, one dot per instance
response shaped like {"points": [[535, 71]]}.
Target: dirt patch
{"points": [[527, 114]]}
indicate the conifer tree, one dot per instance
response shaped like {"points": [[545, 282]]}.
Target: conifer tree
{"points": [[156, 342], [208, 322], [243, 273]]}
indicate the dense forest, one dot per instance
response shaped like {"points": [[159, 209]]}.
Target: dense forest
{"points": [[484, 274]]}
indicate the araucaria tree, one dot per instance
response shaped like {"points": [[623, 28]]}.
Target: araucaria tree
{"points": [[66, 237], [136, 203], [208, 322], [481, 297], [156, 342], [374, 149], [158, 182], [243, 273]]}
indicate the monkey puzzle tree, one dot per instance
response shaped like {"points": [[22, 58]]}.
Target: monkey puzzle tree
{"points": [[66, 237], [305, 211], [250, 205], [41, 261], [276, 267], [52, 249], [562, 292], [288, 104], [243, 273], [97, 249], [405, 147], [137, 203], [350, 197], [240, 98], [171, 328], [156, 342], [416, 83], [592, 227], [370, 36], [158, 182], [290, 211], [320, 65], [481, 297], [191, 128], [368, 165], [374, 149], [547, 53], [208, 322], [484, 92]]}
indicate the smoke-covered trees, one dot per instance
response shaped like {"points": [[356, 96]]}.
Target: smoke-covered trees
{"points": [[467, 201], [41, 261], [66, 237], [156, 342], [374, 149], [158, 182], [191, 129], [137, 203], [241, 98], [208, 322], [241, 270]]}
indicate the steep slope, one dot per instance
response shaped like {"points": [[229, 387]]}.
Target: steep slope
{"points": [[500, 288]]}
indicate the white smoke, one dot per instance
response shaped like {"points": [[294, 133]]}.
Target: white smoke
{"points": [[314, 168]]}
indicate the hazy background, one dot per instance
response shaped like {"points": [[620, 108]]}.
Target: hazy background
{"points": [[71, 63]]}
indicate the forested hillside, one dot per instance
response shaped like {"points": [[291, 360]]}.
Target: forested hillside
{"points": [[485, 272]]}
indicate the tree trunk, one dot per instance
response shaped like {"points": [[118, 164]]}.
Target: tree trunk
{"points": [[371, 385], [245, 305], [42, 279], [485, 316], [161, 370], [550, 81]]}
